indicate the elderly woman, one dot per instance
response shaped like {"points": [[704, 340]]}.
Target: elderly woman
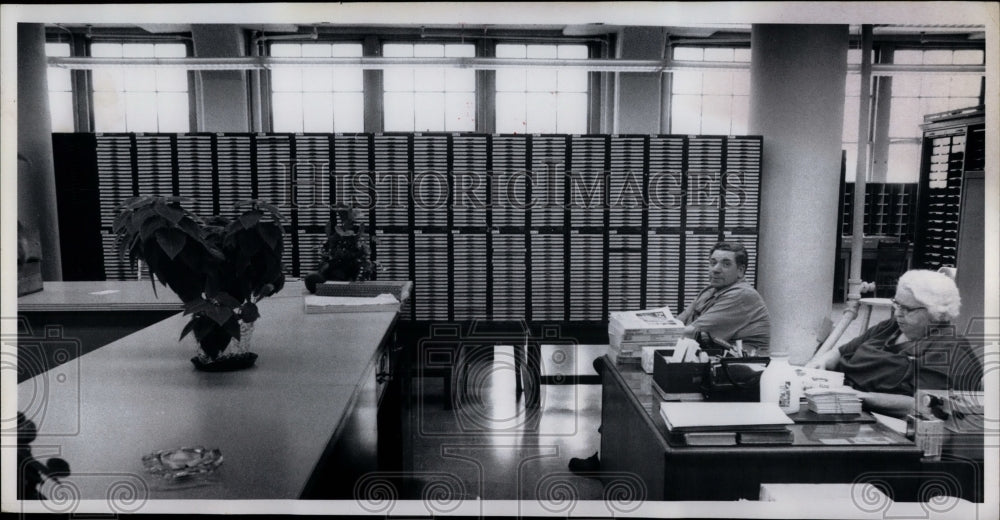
{"points": [[916, 349]]}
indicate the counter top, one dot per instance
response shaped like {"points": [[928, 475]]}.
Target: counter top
{"points": [[112, 295], [105, 410]]}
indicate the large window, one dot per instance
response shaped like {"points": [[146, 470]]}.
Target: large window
{"points": [[541, 100], [429, 99], [710, 102], [137, 99], [317, 99], [60, 90], [914, 96]]}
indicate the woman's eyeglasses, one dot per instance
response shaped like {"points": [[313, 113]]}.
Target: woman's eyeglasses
{"points": [[903, 308]]}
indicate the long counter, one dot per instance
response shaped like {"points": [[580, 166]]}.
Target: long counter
{"points": [[273, 423]]}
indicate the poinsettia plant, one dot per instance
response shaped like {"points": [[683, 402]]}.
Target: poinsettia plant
{"points": [[219, 267], [346, 253]]}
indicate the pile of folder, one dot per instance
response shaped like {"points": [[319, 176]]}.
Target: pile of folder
{"points": [[630, 331], [841, 400]]}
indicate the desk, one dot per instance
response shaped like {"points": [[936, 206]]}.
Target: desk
{"points": [[634, 442], [68, 319], [277, 424]]}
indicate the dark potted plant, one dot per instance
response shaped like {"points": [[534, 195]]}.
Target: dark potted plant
{"points": [[346, 253], [220, 268]]}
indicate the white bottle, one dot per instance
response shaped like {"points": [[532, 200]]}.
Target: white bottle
{"points": [[779, 384]]}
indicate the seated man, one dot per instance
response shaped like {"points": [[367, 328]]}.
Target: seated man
{"points": [[729, 309], [916, 349]]}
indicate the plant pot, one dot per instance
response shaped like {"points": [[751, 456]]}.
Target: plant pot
{"points": [[237, 355]]}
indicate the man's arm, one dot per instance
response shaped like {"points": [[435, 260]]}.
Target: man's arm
{"points": [[727, 315], [896, 405]]}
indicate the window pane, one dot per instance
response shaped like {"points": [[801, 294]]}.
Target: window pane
{"points": [[172, 112], [572, 52], [428, 80], [716, 54], [459, 50], [851, 115], [572, 80], [59, 79], [685, 114], [969, 57], [933, 106], [138, 50], [428, 50], [906, 86], [717, 82], [317, 79], [741, 82], [571, 113], [109, 111], [850, 161], [937, 57], [398, 110], [171, 80], [904, 162], [510, 113], [687, 82], [286, 80], [61, 107], [460, 112], [542, 51], [57, 49], [688, 53], [908, 57], [543, 80], [345, 50], [428, 111], [286, 50], [140, 80], [141, 111], [348, 80], [106, 50], [510, 51], [460, 80], [286, 110], [741, 55], [965, 86], [396, 80], [317, 112], [512, 80], [905, 117], [541, 111], [854, 56], [954, 103], [397, 50], [348, 112], [170, 50], [853, 85], [716, 114], [935, 85], [316, 50], [741, 115]]}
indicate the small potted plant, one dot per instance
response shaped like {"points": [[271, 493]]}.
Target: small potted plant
{"points": [[220, 268], [346, 253]]}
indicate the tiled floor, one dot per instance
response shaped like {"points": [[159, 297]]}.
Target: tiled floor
{"points": [[491, 448]]}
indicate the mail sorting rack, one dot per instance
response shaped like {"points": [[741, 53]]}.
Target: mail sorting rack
{"points": [[513, 226]]}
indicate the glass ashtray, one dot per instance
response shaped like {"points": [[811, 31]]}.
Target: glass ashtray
{"points": [[182, 463]]}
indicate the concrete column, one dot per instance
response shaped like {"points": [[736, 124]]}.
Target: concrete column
{"points": [[797, 78], [639, 98], [36, 179], [221, 95]]}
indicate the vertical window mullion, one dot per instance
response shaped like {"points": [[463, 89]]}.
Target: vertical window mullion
{"points": [[486, 90]]}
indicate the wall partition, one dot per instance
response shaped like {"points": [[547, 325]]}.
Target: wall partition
{"points": [[503, 227]]}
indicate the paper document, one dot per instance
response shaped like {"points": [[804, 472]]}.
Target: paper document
{"points": [[694, 416]]}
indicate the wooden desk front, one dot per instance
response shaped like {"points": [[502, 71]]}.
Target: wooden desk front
{"points": [[634, 442], [274, 423]]}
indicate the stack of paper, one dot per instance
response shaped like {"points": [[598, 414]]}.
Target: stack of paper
{"points": [[322, 304], [630, 331], [842, 400], [683, 417]]}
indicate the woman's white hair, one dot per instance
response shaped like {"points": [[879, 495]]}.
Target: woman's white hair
{"points": [[933, 290]]}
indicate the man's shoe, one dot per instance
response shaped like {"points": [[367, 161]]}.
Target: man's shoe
{"points": [[587, 465]]}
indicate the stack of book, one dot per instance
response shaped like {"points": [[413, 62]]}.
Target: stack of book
{"points": [[841, 400], [630, 331], [726, 424]]}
